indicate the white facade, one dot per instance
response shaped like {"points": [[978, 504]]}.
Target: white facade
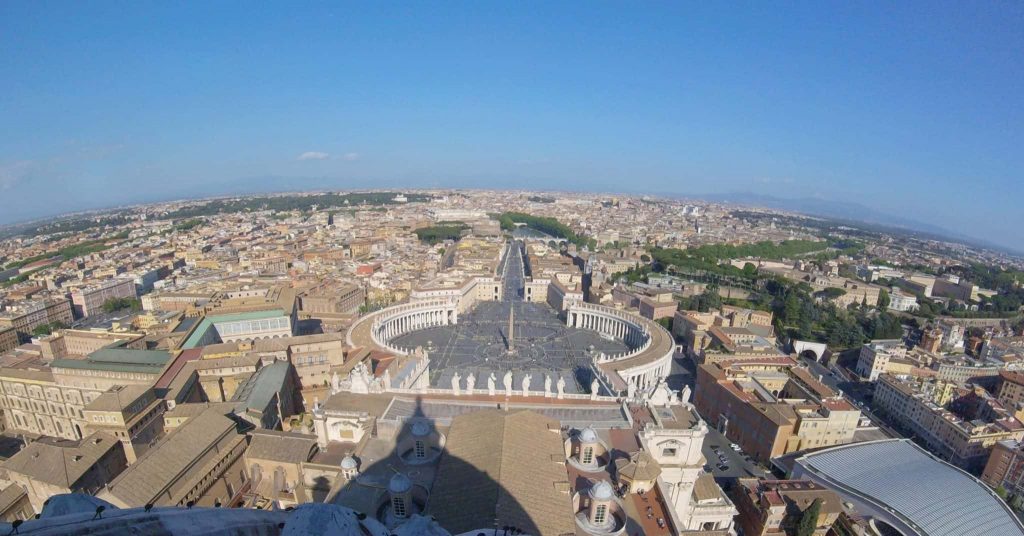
{"points": [[678, 452]]}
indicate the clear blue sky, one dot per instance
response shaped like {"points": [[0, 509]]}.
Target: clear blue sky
{"points": [[911, 107]]}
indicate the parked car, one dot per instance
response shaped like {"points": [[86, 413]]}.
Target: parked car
{"points": [[735, 447]]}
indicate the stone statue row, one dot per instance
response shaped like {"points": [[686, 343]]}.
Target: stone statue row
{"points": [[492, 388]]}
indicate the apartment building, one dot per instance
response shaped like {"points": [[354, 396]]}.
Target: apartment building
{"points": [[902, 301], [1010, 388], [31, 315], [1005, 467], [961, 432], [50, 398], [8, 339], [875, 356], [89, 300], [776, 507], [738, 331], [341, 298], [79, 343], [772, 407]]}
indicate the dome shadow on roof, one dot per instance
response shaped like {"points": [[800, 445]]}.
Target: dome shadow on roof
{"points": [[480, 501]]}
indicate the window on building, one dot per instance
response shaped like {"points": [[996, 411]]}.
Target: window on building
{"points": [[398, 505], [588, 455], [421, 450], [600, 514], [669, 452]]}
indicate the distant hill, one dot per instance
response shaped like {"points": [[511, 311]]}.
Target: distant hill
{"points": [[852, 212]]}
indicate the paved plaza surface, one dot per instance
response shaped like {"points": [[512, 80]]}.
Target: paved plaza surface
{"points": [[543, 344]]}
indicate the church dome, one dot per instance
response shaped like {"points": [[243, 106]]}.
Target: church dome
{"points": [[602, 491], [588, 435], [399, 483], [348, 462]]}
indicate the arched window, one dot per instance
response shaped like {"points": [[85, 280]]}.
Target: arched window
{"points": [[398, 505], [600, 514], [421, 449], [588, 455]]}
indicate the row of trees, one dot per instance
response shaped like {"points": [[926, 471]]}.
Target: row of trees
{"points": [[762, 250], [546, 225], [188, 224], [441, 232], [290, 203], [65, 253]]}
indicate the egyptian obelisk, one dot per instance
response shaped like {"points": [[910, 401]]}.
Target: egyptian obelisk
{"points": [[511, 330]]}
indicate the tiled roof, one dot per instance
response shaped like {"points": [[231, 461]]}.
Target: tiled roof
{"points": [[169, 465], [281, 446], [499, 466], [60, 462], [118, 360]]}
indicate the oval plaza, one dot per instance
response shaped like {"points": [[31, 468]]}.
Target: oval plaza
{"points": [[508, 327]]}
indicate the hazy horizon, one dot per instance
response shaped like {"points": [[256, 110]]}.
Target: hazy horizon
{"points": [[915, 110]]}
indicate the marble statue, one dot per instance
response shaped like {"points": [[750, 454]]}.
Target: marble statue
{"points": [[547, 386], [491, 380], [359, 379], [561, 387], [631, 391], [684, 395], [455, 383], [335, 383], [526, 384], [594, 388], [470, 383], [507, 380]]}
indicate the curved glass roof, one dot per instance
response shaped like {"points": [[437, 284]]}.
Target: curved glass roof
{"points": [[934, 496]]}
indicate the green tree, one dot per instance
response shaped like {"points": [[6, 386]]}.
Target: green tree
{"points": [[791, 308], [809, 519], [46, 329], [116, 304], [883, 300]]}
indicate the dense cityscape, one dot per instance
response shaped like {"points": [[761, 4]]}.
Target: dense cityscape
{"points": [[555, 268], [470, 362]]}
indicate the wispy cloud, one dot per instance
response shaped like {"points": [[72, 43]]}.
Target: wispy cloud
{"points": [[350, 157], [314, 155], [14, 173]]}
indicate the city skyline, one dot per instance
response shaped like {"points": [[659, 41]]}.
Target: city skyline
{"points": [[499, 269], [914, 110]]}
